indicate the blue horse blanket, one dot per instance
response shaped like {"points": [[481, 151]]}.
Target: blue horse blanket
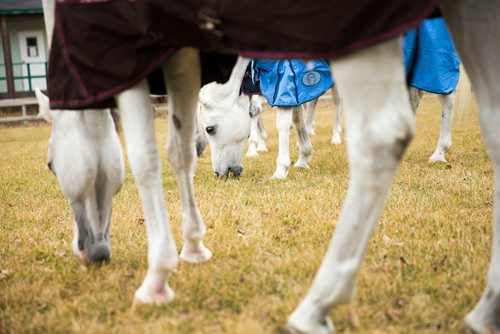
{"points": [[437, 66], [291, 82], [287, 83]]}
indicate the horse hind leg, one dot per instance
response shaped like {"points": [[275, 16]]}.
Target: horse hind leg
{"points": [[253, 140], [283, 124], [380, 126], [415, 98], [261, 146], [137, 121], [305, 146], [182, 72], [310, 111], [467, 20], [444, 141], [257, 103], [337, 128]]}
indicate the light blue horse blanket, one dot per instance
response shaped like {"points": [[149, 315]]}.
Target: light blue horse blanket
{"points": [[291, 82], [437, 66]]}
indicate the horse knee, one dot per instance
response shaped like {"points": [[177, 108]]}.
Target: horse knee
{"points": [[180, 159], [379, 150], [145, 165]]}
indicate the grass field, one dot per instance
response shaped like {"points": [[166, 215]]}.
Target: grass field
{"points": [[425, 268]]}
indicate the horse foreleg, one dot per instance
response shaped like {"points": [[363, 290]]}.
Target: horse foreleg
{"points": [[138, 127], [444, 141], [253, 140], [337, 128], [468, 20], [415, 97], [283, 124], [310, 111], [380, 126], [182, 73], [305, 146], [261, 146], [256, 103]]}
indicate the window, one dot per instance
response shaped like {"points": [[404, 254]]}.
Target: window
{"points": [[32, 46]]}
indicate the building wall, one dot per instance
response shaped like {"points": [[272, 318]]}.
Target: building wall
{"points": [[17, 25]]}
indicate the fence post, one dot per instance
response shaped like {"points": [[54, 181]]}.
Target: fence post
{"points": [[29, 77]]}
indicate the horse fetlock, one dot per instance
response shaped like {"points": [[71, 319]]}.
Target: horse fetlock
{"points": [[305, 151], [193, 228], [162, 257], [302, 163], [261, 147]]}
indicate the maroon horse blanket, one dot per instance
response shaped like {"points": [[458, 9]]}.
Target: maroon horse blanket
{"points": [[102, 47]]}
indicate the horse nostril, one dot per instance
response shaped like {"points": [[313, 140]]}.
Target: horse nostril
{"points": [[236, 170], [217, 174]]}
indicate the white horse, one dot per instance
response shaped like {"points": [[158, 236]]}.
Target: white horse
{"points": [[85, 154], [227, 135], [223, 121], [460, 98], [380, 126]]}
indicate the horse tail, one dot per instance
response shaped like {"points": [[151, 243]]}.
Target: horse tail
{"points": [[463, 94], [43, 106]]}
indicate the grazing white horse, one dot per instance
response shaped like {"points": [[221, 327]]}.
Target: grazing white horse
{"points": [[224, 122], [85, 154], [380, 127], [217, 125]]}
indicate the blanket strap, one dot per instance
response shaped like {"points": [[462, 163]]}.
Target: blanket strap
{"points": [[414, 59]]}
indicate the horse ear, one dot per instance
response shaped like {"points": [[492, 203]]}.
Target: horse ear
{"points": [[43, 106]]}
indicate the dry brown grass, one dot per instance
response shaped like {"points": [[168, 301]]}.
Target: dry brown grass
{"points": [[424, 269]]}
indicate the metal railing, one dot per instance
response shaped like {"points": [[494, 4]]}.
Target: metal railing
{"points": [[27, 76]]}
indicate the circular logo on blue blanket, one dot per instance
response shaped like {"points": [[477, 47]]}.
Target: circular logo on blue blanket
{"points": [[311, 78]]}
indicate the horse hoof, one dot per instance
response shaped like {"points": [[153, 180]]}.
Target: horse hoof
{"points": [[198, 254], [336, 141], [146, 296], [301, 164], [252, 154], [280, 173], [325, 327], [262, 149], [484, 319], [437, 158]]}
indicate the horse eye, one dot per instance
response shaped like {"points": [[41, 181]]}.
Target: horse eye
{"points": [[210, 130]]}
